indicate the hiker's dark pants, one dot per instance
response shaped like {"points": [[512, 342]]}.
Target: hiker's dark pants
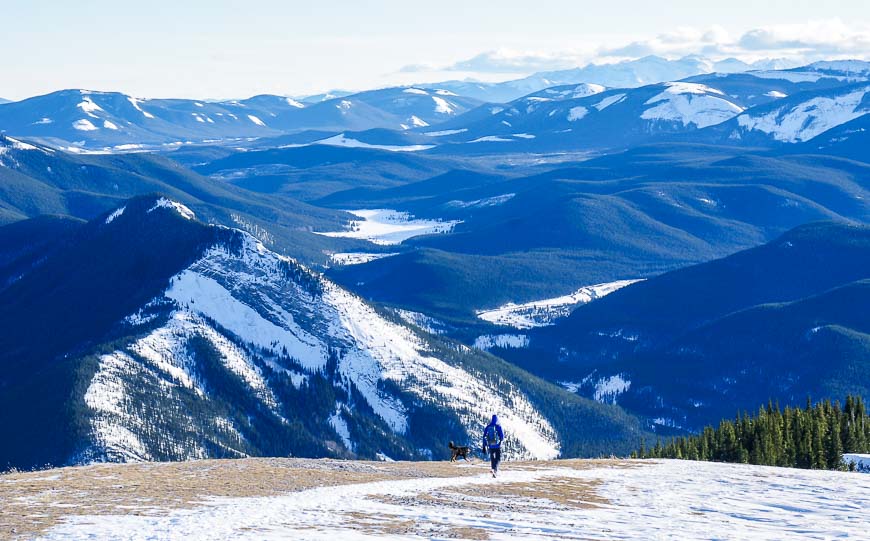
{"points": [[494, 457]]}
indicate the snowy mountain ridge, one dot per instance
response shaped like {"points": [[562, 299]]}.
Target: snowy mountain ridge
{"points": [[257, 309]]}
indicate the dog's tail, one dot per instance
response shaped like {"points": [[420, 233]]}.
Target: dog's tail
{"points": [[450, 445]]}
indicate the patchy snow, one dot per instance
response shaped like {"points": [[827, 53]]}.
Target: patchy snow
{"points": [[442, 106], [341, 140], [109, 125], [417, 122], [116, 213], [415, 91], [337, 422], [20, 145], [775, 94], [385, 226], [89, 107], [491, 139], [293, 103], [84, 125], [806, 120], [487, 342], [444, 93], [445, 132], [663, 499], [356, 258], [207, 297], [493, 201], [608, 101], [419, 319], [182, 210], [256, 121], [577, 113], [608, 389], [691, 103], [135, 103], [523, 135], [544, 312], [344, 105]]}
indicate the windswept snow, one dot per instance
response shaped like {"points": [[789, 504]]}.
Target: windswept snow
{"points": [[342, 141], [442, 106], [666, 499], [256, 121], [109, 125], [493, 201], [89, 107], [775, 94], [84, 125], [415, 91], [417, 122], [577, 113], [807, 120], [356, 258], [445, 132], [116, 213], [385, 226], [492, 139], [135, 103], [691, 103], [293, 103], [544, 312], [487, 342], [608, 101], [182, 210]]}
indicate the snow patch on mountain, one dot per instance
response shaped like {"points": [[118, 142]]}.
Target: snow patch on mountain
{"points": [[418, 91], [135, 103], [442, 106], [182, 210], [487, 342], [84, 125], [356, 258], [608, 101], [493, 201], [115, 214], [544, 312], [386, 226], [341, 140], [691, 103], [809, 119], [256, 121], [577, 113]]}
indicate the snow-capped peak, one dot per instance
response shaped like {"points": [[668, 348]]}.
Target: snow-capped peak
{"points": [[182, 210]]}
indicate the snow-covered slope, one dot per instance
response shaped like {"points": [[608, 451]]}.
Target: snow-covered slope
{"points": [[573, 500]]}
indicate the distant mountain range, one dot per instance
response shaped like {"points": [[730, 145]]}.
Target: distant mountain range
{"points": [[782, 322]]}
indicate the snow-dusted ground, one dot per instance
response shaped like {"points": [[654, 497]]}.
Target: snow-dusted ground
{"points": [[543, 312], [576, 500], [385, 226], [356, 258]]}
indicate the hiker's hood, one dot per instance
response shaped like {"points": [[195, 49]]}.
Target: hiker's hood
{"points": [[494, 420]]}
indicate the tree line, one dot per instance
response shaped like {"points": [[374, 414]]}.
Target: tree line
{"points": [[813, 437]]}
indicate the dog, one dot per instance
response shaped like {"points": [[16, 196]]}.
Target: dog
{"points": [[459, 451]]}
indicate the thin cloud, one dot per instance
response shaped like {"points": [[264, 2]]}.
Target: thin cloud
{"points": [[797, 43]]}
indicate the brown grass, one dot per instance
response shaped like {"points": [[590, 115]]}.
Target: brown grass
{"points": [[33, 502]]}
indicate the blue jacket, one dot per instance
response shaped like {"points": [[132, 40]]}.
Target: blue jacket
{"points": [[498, 429]]}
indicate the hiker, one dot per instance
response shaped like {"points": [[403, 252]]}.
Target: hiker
{"points": [[492, 438]]}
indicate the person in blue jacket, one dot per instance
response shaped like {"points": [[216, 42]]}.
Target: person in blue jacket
{"points": [[492, 438]]}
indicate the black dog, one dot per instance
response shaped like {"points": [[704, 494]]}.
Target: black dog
{"points": [[461, 451]]}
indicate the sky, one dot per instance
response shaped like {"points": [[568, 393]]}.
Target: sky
{"points": [[232, 49]]}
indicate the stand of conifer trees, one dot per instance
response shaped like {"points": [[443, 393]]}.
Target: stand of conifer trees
{"points": [[814, 437]]}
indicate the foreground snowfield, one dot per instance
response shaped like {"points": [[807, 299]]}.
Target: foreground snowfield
{"points": [[601, 499]]}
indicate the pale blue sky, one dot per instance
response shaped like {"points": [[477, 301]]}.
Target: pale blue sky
{"points": [[224, 48]]}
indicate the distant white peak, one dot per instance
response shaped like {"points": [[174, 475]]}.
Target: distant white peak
{"points": [[84, 125], [256, 120], [775, 94], [182, 210], [293, 103], [684, 88], [115, 214], [89, 107], [415, 91], [442, 106], [587, 89]]}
